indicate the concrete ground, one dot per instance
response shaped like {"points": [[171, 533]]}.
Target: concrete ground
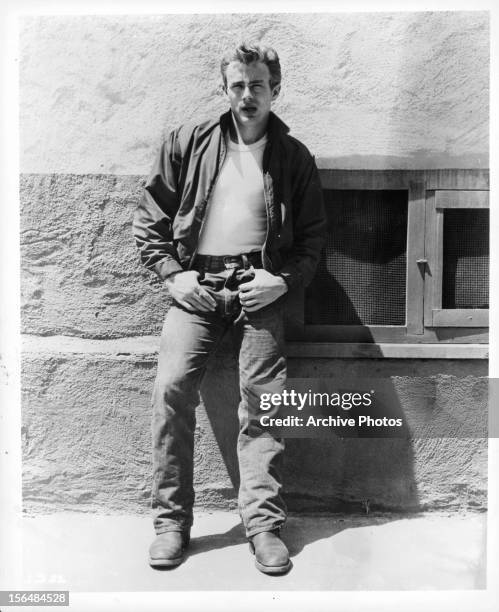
{"points": [[83, 552]]}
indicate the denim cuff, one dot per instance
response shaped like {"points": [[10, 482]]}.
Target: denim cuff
{"points": [[164, 525], [261, 528], [167, 528]]}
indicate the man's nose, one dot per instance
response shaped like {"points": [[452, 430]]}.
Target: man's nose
{"points": [[247, 92]]}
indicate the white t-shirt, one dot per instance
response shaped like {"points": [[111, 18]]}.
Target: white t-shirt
{"points": [[236, 219]]}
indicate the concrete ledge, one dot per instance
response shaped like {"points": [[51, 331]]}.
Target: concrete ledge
{"points": [[386, 350], [148, 346], [144, 346]]}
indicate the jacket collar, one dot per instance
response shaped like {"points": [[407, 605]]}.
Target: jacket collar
{"points": [[275, 126]]}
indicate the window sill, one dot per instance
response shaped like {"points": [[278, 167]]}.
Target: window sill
{"points": [[358, 350]]}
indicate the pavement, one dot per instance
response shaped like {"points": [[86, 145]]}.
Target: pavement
{"points": [[85, 553]]}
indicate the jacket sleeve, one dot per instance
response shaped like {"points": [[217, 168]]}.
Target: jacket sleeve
{"points": [[309, 226], [153, 219]]}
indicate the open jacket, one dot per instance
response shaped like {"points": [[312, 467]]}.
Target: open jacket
{"points": [[170, 215]]}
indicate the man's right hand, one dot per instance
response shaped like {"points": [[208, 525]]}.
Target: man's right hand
{"points": [[186, 290]]}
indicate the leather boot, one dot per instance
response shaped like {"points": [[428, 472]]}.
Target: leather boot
{"points": [[167, 550], [271, 554]]}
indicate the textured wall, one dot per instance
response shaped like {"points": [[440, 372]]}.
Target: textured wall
{"points": [[97, 95], [81, 272], [86, 431], [367, 90]]}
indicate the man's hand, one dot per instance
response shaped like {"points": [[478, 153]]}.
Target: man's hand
{"points": [[185, 289], [264, 289]]}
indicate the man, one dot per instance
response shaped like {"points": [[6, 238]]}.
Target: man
{"points": [[231, 218]]}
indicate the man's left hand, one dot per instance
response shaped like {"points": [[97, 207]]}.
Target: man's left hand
{"points": [[262, 290]]}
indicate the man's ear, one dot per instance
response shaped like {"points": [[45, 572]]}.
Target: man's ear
{"points": [[275, 91]]}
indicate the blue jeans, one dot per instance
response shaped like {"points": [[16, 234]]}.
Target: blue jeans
{"points": [[187, 341]]}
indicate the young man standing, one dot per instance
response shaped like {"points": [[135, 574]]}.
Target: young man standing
{"points": [[231, 218]]}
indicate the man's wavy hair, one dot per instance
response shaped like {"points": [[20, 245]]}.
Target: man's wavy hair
{"points": [[247, 53]]}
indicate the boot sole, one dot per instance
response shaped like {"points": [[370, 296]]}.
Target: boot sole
{"points": [[273, 570], [166, 562]]}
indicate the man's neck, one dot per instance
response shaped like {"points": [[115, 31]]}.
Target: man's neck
{"points": [[245, 134]]}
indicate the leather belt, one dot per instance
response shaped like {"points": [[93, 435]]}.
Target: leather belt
{"points": [[216, 263]]}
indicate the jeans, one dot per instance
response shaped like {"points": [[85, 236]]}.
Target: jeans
{"points": [[187, 341]]}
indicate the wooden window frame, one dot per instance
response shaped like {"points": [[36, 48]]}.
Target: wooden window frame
{"points": [[437, 202], [416, 337]]}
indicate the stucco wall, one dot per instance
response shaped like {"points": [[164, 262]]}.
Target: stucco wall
{"points": [[97, 95], [367, 90]]}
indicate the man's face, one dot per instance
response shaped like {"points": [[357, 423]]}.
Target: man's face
{"points": [[249, 93]]}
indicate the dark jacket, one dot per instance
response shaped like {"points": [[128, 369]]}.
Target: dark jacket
{"points": [[169, 217]]}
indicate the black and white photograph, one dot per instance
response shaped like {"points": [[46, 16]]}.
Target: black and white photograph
{"points": [[246, 301]]}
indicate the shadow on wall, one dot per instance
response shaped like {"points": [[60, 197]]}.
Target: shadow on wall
{"points": [[356, 474]]}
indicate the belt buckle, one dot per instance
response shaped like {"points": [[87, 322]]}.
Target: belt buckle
{"points": [[231, 262]]}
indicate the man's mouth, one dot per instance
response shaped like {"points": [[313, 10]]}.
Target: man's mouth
{"points": [[248, 109]]}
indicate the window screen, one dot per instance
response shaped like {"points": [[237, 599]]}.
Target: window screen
{"points": [[465, 274], [361, 277]]}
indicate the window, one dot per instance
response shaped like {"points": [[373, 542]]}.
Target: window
{"points": [[405, 263], [457, 239], [361, 278]]}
